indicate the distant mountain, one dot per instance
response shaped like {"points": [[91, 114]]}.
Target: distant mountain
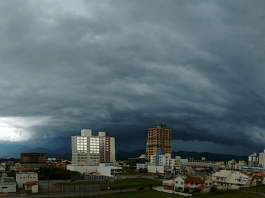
{"points": [[13, 151], [40, 150], [125, 154], [64, 151], [185, 154]]}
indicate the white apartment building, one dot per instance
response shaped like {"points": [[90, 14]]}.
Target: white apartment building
{"points": [[106, 148], [262, 159], [141, 166], [91, 150], [253, 159], [163, 163], [23, 177]]}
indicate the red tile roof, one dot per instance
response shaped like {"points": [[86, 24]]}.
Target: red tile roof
{"points": [[194, 180], [245, 174], [32, 183], [23, 169], [201, 187], [197, 166]]}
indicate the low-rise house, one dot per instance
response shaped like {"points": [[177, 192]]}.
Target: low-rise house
{"points": [[168, 184], [8, 184], [258, 178], [2, 169], [226, 179], [239, 165], [59, 165], [141, 166], [200, 164], [24, 177], [105, 169], [31, 186], [218, 165], [155, 169], [192, 184]]}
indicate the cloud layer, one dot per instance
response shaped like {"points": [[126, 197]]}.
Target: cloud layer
{"points": [[123, 67]]}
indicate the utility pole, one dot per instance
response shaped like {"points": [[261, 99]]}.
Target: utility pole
{"points": [[48, 187]]}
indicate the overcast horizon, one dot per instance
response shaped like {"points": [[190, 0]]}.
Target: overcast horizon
{"points": [[124, 66]]}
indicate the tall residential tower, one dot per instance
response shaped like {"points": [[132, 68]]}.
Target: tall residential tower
{"points": [[91, 150], [158, 138]]}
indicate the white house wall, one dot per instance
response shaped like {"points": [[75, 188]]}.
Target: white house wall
{"points": [[8, 187], [112, 150], [154, 169], [82, 169], [22, 178]]}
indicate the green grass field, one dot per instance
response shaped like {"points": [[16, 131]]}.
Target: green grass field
{"points": [[142, 182], [123, 183], [228, 194], [153, 194], [260, 189]]}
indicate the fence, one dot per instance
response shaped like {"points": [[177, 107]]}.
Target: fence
{"points": [[92, 179], [81, 190]]}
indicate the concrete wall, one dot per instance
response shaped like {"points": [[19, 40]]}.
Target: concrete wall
{"points": [[112, 149], [22, 178], [82, 169], [33, 189], [154, 169], [8, 187], [102, 169], [86, 132], [143, 166], [106, 170]]}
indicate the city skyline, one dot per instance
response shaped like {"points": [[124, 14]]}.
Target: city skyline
{"points": [[196, 67]]}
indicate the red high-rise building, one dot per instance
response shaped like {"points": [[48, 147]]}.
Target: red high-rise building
{"points": [[158, 138], [32, 158]]}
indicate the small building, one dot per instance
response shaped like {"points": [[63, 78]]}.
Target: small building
{"points": [[199, 164], [24, 177], [109, 170], [155, 169], [258, 178], [59, 165], [105, 169], [192, 184], [133, 161], [2, 169], [168, 184], [141, 166], [225, 179], [239, 165], [8, 184], [31, 186]]}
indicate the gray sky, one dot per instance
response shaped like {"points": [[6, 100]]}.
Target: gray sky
{"points": [[125, 66]]}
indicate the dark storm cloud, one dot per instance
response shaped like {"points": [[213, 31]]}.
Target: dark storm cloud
{"points": [[122, 67]]}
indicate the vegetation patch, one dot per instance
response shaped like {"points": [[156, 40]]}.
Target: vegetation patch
{"points": [[122, 183], [260, 189], [227, 194]]}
